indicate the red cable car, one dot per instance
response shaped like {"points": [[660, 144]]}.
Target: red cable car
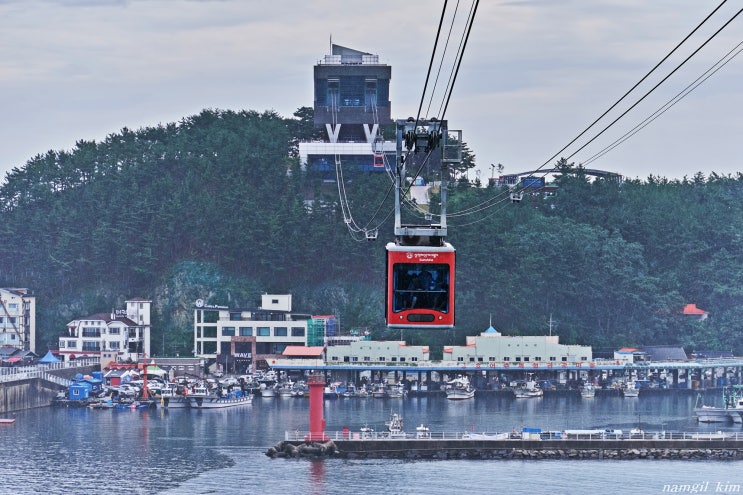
{"points": [[420, 286], [378, 160]]}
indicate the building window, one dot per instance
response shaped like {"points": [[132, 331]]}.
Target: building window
{"points": [[61, 344], [526, 358], [479, 360], [235, 317], [460, 359], [506, 358], [367, 358], [246, 331], [393, 359], [564, 359], [113, 331], [91, 346], [334, 358], [334, 92], [228, 331], [402, 359], [518, 358], [381, 358], [91, 332], [355, 359], [13, 307], [584, 358], [280, 332], [414, 359], [537, 358], [264, 332], [297, 331], [114, 346], [553, 358], [472, 360]]}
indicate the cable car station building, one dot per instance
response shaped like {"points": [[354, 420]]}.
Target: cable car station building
{"points": [[351, 102]]}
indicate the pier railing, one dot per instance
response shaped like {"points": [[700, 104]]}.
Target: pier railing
{"points": [[14, 373], [299, 436]]}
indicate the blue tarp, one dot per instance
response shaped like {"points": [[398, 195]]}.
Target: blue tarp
{"points": [[49, 358]]}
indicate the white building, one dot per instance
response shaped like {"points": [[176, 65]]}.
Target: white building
{"points": [[119, 336], [522, 351], [374, 351], [18, 318], [240, 338]]}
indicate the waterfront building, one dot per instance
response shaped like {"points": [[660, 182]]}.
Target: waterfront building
{"points": [[122, 335], [18, 318], [238, 340], [522, 351], [351, 104], [377, 352]]}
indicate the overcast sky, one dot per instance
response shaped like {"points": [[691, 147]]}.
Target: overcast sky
{"points": [[534, 75]]}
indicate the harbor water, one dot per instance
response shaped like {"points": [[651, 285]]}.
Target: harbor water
{"points": [[81, 451]]}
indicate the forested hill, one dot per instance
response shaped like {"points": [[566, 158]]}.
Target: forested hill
{"points": [[216, 207]]}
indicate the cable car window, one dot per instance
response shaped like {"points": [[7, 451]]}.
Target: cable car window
{"points": [[420, 286]]}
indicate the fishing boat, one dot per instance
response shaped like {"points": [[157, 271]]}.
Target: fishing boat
{"points": [[459, 388], [527, 389], [731, 409], [285, 389], [396, 391], [422, 431], [588, 391], [630, 389], [7, 421], [378, 391], [268, 391], [334, 390], [394, 426], [201, 398]]}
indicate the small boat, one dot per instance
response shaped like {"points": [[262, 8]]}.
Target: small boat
{"points": [[731, 410], [378, 391], [396, 391], [201, 398], [334, 390], [422, 431], [394, 426], [367, 431], [630, 390], [285, 389], [588, 391], [459, 388], [7, 421], [269, 391], [350, 391], [527, 389]]}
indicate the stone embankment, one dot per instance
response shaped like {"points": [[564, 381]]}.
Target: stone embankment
{"points": [[703, 451]]}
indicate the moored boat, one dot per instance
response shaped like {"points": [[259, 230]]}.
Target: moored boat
{"points": [[394, 426], [459, 388], [588, 391], [527, 389], [630, 389], [731, 410]]}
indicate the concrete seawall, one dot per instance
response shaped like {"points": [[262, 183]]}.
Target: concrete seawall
{"points": [[515, 449], [21, 394]]}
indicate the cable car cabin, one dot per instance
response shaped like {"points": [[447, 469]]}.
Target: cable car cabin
{"points": [[420, 286], [378, 160]]}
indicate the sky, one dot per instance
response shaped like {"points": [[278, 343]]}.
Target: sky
{"points": [[535, 73]]}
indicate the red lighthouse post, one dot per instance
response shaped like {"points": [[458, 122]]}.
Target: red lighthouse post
{"points": [[317, 422]]}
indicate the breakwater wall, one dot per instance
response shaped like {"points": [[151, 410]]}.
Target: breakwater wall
{"points": [[513, 449], [26, 394], [23, 392]]}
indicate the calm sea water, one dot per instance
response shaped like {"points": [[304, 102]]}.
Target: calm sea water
{"points": [[70, 451]]}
